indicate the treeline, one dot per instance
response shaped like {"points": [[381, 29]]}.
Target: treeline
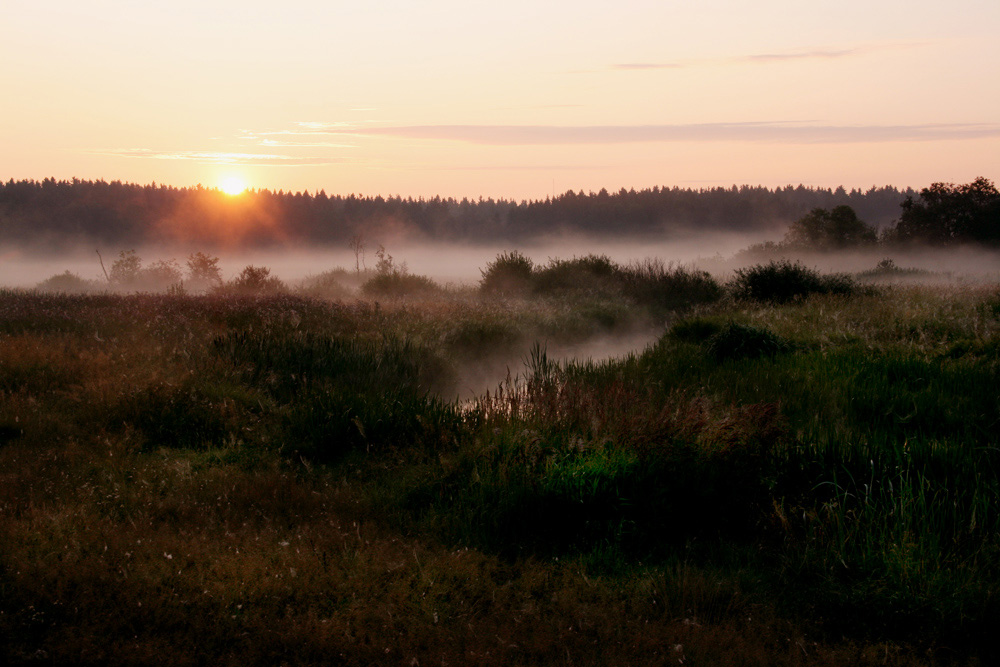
{"points": [[942, 215], [52, 214]]}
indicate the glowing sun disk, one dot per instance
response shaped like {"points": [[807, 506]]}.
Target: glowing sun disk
{"points": [[233, 185]]}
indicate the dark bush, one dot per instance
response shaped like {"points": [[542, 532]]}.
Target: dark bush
{"points": [[739, 341], [327, 285], [336, 394], [399, 284], [254, 280], [173, 416], [887, 269], [67, 282], [593, 272], [694, 330], [509, 273], [781, 281], [653, 283]]}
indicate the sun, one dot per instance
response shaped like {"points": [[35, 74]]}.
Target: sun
{"points": [[233, 185]]}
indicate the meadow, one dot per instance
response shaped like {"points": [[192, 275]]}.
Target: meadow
{"points": [[373, 469]]}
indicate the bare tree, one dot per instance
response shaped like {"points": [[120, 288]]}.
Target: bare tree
{"points": [[358, 246]]}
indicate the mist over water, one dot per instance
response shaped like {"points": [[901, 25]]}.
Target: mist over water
{"points": [[445, 262], [460, 264]]}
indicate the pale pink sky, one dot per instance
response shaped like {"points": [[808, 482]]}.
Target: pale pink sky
{"points": [[515, 99]]}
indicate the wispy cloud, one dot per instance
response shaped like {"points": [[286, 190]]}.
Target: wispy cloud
{"points": [[303, 144], [819, 54], [775, 132], [641, 66], [211, 157], [765, 58]]}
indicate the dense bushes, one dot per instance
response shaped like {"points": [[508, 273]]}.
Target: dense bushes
{"points": [[650, 283], [781, 281], [509, 273]]}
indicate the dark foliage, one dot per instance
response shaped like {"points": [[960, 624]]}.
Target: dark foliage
{"points": [[338, 394], [253, 280], [592, 272], [651, 282], [739, 341], [829, 230], [781, 281], [947, 214], [694, 330], [399, 284], [173, 417], [509, 273]]}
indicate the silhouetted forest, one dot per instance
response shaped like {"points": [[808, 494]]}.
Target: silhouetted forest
{"points": [[53, 215]]}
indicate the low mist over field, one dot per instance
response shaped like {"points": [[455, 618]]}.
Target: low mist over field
{"points": [[444, 262], [460, 264]]}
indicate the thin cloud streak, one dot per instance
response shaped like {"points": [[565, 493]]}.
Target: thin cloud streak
{"points": [[209, 157], [300, 144], [806, 55], [641, 66], [782, 133], [765, 58]]}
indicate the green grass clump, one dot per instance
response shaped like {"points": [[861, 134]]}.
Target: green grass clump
{"points": [[781, 281]]}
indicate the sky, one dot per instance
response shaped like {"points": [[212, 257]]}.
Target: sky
{"points": [[519, 100]]}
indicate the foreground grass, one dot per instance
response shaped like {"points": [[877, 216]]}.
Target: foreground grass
{"points": [[237, 480]]}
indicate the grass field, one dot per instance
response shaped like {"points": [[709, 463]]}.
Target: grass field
{"points": [[799, 470]]}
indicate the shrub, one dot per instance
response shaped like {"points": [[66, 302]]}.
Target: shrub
{"points": [[174, 416], [336, 394], [254, 280], [66, 282], [739, 341], [509, 273], [653, 283], [399, 284], [593, 272], [694, 330], [887, 268], [783, 281], [126, 269], [203, 271], [327, 285]]}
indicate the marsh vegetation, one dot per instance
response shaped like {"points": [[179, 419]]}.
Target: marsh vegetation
{"points": [[373, 468]]}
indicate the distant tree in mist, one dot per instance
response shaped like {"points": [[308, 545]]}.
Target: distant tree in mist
{"points": [[823, 229], [254, 280], [204, 271], [947, 214], [357, 244], [127, 272], [126, 269]]}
